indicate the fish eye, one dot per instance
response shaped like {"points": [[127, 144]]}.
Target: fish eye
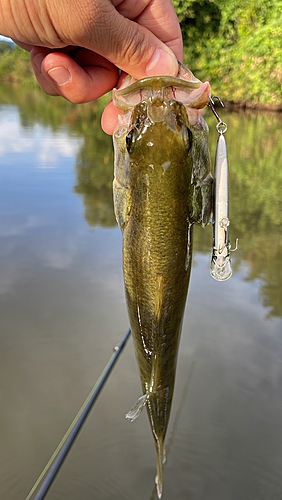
{"points": [[188, 139], [129, 140]]}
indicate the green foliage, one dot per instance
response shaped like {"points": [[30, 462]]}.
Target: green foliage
{"points": [[236, 46], [4, 47], [15, 66], [199, 20]]}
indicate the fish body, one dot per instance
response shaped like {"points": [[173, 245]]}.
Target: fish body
{"points": [[162, 186]]}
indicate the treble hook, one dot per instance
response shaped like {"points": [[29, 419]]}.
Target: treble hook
{"points": [[236, 246], [221, 126]]}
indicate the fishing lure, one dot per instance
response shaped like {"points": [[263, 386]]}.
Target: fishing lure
{"points": [[220, 267]]}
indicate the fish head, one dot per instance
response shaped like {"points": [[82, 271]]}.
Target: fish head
{"points": [[160, 123], [158, 134]]}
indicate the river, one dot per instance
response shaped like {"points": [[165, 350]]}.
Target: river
{"points": [[62, 310]]}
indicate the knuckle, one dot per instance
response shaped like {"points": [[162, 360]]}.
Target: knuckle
{"points": [[93, 20], [134, 49]]}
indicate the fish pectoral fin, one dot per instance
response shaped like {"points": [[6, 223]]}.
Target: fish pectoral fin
{"points": [[136, 409], [122, 203]]}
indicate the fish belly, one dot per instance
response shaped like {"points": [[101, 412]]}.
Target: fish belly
{"points": [[157, 261]]}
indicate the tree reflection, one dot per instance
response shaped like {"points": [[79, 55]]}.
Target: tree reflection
{"points": [[94, 162], [94, 173], [254, 149]]}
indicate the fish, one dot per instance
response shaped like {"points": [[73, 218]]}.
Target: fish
{"points": [[162, 186]]}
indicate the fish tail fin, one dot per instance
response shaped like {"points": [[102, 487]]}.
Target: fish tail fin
{"points": [[160, 462], [136, 409]]}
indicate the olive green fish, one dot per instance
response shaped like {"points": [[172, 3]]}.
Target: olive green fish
{"points": [[162, 186]]}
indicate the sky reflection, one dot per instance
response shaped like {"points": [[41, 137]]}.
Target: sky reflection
{"points": [[44, 145]]}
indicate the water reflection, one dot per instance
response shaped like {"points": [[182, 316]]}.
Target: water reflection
{"points": [[94, 174], [74, 131], [62, 310], [254, 148]]}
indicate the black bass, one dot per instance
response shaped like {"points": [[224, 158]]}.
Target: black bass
{"points": [[162, 186]]}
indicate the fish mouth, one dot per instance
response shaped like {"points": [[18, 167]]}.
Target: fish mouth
{"points": [[185, 88], [156, 83]]}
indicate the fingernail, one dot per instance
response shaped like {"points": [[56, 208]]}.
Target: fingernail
{"points": [[38, 60], [61, 75], [162, 63]]}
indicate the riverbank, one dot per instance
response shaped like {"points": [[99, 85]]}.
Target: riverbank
{"points": [[15, 66], [251, 106], [235, 46], [238, 89]]}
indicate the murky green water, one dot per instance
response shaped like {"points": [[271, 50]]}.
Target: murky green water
{"points": [[62, 311]]}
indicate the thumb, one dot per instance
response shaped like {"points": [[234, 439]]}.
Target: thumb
{"points": [[130, 46]]}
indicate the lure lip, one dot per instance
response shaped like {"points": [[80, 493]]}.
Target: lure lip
{"points": [[220, 268]]}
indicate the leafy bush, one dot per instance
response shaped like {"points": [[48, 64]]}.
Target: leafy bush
{"points": [[15, 66], [236, 46]]}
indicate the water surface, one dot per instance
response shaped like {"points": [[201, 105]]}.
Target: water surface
{"points": [[62, 310]]}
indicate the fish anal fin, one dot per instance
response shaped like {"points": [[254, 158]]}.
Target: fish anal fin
{"points": [[136, 409]]}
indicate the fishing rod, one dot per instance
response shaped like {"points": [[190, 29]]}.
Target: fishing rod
{"points": [[64, 446]]}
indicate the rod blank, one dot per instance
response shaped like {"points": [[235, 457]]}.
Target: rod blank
{"points": [[79, 420]]}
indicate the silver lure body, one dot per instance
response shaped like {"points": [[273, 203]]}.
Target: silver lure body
{"points": [[220, 267]]}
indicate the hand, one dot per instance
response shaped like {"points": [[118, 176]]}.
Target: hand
{"points": [[77, 47]]}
